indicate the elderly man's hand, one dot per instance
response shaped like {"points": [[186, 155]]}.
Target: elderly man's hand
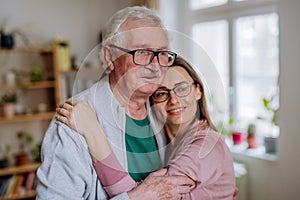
{"points": [[159, 186]]}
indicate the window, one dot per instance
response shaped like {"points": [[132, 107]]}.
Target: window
{"points": [[242, 39], [199, 4], [212, 37], [257, 67]]}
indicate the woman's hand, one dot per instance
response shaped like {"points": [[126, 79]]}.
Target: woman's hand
{"points": [[79, 116], [82, 118]]}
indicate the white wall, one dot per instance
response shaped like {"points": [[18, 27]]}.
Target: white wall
{"points": [[279, 179], [79, 21]]}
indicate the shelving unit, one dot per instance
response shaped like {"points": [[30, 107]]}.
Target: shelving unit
{"points": [[47, 91], [20, 171], [51, 72]]}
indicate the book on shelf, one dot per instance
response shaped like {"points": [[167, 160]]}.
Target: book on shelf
{"points": [[3, 185], [29, 183], [15, 185], [10, 186], [18, 185]]}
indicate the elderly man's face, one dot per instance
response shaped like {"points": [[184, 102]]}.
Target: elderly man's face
{"points": [[130, 76]]}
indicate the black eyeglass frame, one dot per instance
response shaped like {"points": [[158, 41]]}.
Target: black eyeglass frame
{"points": [[155, 53], [174, 90]]}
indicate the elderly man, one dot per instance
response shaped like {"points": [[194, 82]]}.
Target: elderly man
{"points": [[135, 49]]}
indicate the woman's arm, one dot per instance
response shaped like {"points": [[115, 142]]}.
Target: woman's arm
{"points": [[82, 118]]}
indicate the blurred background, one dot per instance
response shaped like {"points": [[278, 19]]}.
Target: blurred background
{"points": [[49, 51]]}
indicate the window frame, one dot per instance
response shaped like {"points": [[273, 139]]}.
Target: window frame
{"points": [[231, 11]]}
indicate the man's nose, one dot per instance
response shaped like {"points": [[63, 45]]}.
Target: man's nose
{"points": [[154, 65]]}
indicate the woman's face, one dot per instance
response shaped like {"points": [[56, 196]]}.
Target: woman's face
{"points": [[178, 110]]}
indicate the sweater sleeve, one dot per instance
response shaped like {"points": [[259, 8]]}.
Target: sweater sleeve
{"points": [[65, 172], [207, 160], [113, 177]]}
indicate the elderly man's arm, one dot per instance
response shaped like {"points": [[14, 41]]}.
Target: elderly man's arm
{"points": [[66, 169]]}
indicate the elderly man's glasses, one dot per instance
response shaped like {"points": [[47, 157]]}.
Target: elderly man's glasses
{"points": [[163, 94], [144, 57]]}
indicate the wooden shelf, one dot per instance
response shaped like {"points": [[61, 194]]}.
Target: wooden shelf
{"points": [[50, 88], [29, 85], [27, 195], [27, 117], [19, 169]]}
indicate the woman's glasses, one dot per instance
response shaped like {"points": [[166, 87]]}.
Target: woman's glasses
{"points": [[163, 94]]}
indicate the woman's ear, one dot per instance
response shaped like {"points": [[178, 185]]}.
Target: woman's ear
{"points": [[198, 92], [106, 51]]}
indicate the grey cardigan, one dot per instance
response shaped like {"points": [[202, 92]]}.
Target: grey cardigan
{"points": [[67, 170]]}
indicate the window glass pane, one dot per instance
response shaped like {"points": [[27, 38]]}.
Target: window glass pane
{"points": [[239, 0], [213, 38], [257, 65], [199, 4]]}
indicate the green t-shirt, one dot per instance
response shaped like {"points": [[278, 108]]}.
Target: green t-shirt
{"points": [[141, 147]]}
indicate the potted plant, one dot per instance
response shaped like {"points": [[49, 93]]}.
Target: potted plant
{"points": [[26, 143], [8, 101], [35, 74], [4, 159], [237, 137], [251, 136], [225, 129], [271, 105], [8, 36]]}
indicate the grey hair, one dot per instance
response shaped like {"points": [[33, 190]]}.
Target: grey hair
{"points": [[113, 25]]}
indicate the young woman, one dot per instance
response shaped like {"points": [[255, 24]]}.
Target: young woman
{"points": [[196, 149]]}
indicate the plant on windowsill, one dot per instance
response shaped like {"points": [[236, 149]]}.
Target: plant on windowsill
{"points": [[8, 101], [226, 129], [251, 136], [272, 106]]}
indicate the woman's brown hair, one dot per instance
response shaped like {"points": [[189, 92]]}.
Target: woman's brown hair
{"points": [[202, 112]]}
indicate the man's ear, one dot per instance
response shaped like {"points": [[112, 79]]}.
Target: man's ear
{"points": [[106, 51]]}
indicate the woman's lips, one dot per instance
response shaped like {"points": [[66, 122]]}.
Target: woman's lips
{"points": [[176, 111]]}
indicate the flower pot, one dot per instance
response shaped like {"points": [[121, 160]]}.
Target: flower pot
{"points": [[237, 138], [9, 110], [7, 41], [10, 78], [270, 144], [251, 140], [4, 163], [22, 159]]}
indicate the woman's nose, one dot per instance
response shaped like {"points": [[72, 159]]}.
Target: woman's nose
{"points": [[173, 98]]}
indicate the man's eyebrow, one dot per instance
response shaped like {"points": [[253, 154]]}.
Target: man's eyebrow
{"points": [[151, 48]]}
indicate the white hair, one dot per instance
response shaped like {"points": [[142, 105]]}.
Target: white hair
{"points": [[112, 27]]}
